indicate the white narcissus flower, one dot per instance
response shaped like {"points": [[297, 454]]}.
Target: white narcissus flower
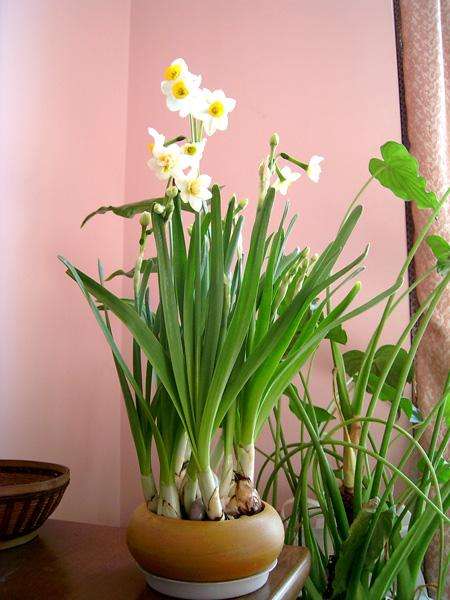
{"points": [[194, 189], [176, 70], [181, 88], [289, 176], [314, 169], [214, 110], [182, 95], [158, 139], [166, 161], [193, 152]]}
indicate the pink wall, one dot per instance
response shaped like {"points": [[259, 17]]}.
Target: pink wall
{"points": [[322, 74], [63, 87]]}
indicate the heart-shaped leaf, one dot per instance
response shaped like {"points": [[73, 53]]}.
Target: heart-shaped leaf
{"points": [[383, 355], [338, 334], [399, 172], [442, 469], [321, 415], [411, 411], [353, 360], [441, 250]]}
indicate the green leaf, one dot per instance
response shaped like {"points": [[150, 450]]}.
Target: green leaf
{"points": [[240, 321], [353, 360], [88, 286], [151, 263], [380, 534], [338, 334], [353, 543], [171, 322], [388, 394], [321, 415], [447, 410], [179, 255], [383, 356], [144, 336], [411, 411], [442, 469], [441, 250], [125, 210], [215, 296], [399, 172], [438, 245]]}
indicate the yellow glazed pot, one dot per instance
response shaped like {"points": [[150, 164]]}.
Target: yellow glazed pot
{"points": [[205, 551]]}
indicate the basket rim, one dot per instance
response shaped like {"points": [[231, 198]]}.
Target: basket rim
{"points": [[52, 483]]}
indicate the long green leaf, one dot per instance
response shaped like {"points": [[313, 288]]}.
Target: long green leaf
{"points": [[239, 324], [215, 295], [179, 255], [172, 327], [125, 210], [78, 277]]}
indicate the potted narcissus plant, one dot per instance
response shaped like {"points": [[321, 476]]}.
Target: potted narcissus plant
{"points": [[213, 350]]}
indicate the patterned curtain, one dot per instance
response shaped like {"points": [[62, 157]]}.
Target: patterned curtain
{"points": [[425, 32]]}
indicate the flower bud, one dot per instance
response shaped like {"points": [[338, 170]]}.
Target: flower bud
{"points": [[274, 140], [240, 246], [305, 252], [262, 169], [172, 191], [158, 208], [145, 219], [168, 211], [264, 172], [242, 204]]}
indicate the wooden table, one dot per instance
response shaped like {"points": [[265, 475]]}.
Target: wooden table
{"points": [[91, 562]]}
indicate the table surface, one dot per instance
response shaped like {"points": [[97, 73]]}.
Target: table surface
{"points": [[91, 562]]}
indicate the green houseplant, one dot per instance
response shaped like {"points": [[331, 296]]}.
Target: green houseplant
{"points": [[378, 513], [218, 343]]}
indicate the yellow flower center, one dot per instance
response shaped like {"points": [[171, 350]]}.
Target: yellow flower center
{"points": [[180, 90], [194, 187], [216, 109], [172, 72], [190, 149], [166, 162]]}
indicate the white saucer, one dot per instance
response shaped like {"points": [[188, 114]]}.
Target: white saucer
{"points": [[220, 590]]}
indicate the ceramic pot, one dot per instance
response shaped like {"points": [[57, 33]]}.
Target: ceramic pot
{"points": [[206, 552]]}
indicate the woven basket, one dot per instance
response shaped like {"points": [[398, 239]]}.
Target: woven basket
{"points": [[29, 493]]}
